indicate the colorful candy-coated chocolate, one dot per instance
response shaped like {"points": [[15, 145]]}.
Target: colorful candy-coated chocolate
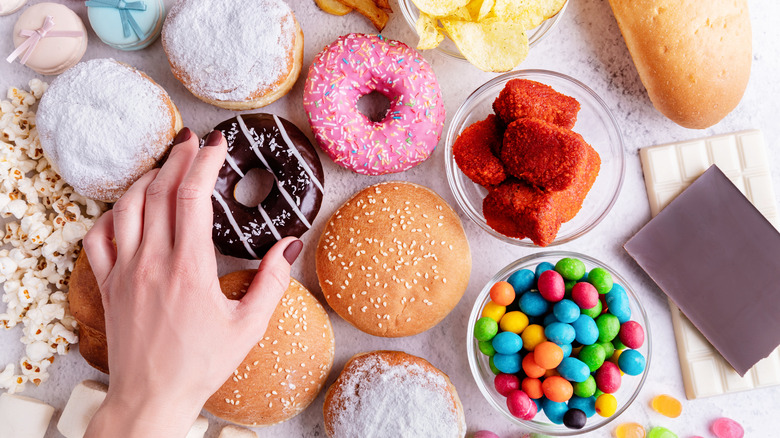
{"points": [[574, 419], [661, 432], [548, 355], [514, 322], [493, 311], [631, 362], [566, 350], [601, 279], [549, 319], [486, 347], [608, 378], [541, 267], [727, 428], [493, 368], [551, 286], [618, 304], [507, 343], [667, 405], [520, 405], [560, 333], [484, 434], [532, 336], [609, 349], [533, 304], [554, 410], [609, 326], [531, 368], [556, 388], [573, 369], [629, 430], [485, 329], [507, 363], [502, 293], [532, 387], [593, 312], [606, 405], [522, 280], [585, 295], [631, 334], [593, 356], [586, 330], [506, 383], [566, 311], [570, 268], [585, 404], [586, 388]]}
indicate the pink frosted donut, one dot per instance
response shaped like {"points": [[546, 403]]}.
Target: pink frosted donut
{"points": [[355, 65]]}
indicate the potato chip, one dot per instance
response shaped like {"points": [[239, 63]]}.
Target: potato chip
{"points": [[479, 9], [439, 8], [491, 45], [429, 32], [528, 13]]}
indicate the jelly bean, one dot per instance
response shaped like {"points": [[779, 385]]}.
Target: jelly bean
{"points": [[548, 355], [585, 404], [593, 312], [667, 405], [601, 279], [608, 378], [493, 366], [556, 388], [514, 322], [586, 330], [606, 405], [569, 285], [507, 343], [493, 311], [532, 387], [502, 293], [484, 434], [522, 280], [566, 348], [609, 326], [519, 404], [661, 432], [586, 388], [629, 430], [574, 419], [631, 334], [566, 311], [507, 363], [560, 333], [533, 335], [609, 349], [618, 345], [618, 304], [593, 356], [554, 410], [486, 347], [727, 428], [485, 329], [533, 304], [574, 369], [551, 287], [531, 368], [585, 295], [549, 319], [541, 267], [506, 383], [570, 268], [631, 362]]}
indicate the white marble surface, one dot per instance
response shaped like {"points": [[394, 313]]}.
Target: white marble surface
{"points": [[586, 45]]}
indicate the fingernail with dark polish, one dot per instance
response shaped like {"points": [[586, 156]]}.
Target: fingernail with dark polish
{"points": [[292, 251], [214, 139], [182, 136]]}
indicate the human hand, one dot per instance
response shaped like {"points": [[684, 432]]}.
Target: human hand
{"points": [[173, 337]]}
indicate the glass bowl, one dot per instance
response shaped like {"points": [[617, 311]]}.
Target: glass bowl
{"points": [[480, 367], [595, 123], [535, 35]]}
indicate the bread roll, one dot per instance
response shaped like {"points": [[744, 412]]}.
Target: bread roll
{"points": [[693, 56]]}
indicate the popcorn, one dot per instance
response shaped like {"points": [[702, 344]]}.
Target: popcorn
{"points": [[42, 238]]}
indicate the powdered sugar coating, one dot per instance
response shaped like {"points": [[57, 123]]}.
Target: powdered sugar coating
{"points": [[355, 65], [230, 50], [379, 399], [100, 122]]}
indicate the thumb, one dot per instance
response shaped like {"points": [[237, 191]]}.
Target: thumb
{"points": [[270, 282]]}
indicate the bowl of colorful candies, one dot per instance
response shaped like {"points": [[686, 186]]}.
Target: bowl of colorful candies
{"points": [[559, 343]]}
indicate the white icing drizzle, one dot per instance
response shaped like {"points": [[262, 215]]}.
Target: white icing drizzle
{"points": [[268, 222], [232, 163], [297, 154], [256, 149], [234, 224]]}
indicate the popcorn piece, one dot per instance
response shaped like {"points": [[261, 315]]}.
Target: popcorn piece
{"points": [[84, 401], [23, 417]]}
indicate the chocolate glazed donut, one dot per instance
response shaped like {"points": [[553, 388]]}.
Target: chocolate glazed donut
{"points": [[268, 142]]}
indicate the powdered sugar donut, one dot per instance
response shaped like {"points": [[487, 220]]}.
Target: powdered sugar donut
{"points": [[8, 7], [392, 393], [355, 65], [103, 124], [237, 55]]}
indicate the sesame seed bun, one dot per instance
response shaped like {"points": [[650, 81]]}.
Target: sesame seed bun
{"points": [[393, 260], [392, 393]]}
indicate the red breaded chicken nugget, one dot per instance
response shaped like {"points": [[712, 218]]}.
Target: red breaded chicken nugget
{"points": [[545, 155], [523, 98], [473, 151]]}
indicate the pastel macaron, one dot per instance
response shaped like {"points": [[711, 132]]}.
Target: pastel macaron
{"points": [[126, 25], [49, 38], [8, 7]]}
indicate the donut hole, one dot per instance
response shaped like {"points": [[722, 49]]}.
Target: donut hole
{"points": [[254, 187], [374, 106]]}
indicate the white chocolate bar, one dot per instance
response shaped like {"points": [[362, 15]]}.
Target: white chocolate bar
{"points": [[23, 417], [236, 432], [671, 168]]}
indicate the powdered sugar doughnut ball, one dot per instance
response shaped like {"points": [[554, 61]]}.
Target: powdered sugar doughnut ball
{"points": [[8, 7], [103, 124], [392, 393], [237, 55]]}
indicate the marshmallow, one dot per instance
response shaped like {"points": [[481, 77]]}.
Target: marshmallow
{"points": [[84, 401], [236, 432], [23, 417], [198, 429]]}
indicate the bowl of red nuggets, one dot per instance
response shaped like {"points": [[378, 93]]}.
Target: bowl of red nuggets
{"points": [[535, 158]]}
